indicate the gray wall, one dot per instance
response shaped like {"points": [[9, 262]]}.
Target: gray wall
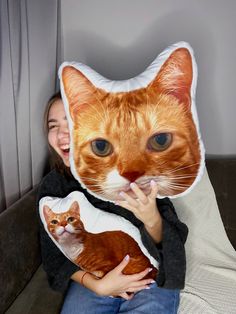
{"points": [[120, 39]]}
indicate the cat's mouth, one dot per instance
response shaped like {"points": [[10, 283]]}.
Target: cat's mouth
{"points": [[65, 233], [146, 189]]}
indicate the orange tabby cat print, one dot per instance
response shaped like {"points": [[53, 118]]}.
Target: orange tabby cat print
{"points": [[137, 136], [97, 253]]}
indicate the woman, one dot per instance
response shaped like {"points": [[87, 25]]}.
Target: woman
{"points": [[164, 238]]}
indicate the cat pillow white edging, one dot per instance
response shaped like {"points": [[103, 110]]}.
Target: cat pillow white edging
{"points": [[137, 130], [94, 220]]}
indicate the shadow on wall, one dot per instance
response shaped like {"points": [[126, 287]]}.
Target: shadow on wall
{"points": [[123, 62]]}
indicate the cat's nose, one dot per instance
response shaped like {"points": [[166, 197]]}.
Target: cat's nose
{"points": [[132, 175]]}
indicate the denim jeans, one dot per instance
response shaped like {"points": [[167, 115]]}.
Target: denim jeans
{"points": [[80, 300]]}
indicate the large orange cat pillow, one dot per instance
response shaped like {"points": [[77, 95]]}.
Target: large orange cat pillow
{"points": [[137, 130]]}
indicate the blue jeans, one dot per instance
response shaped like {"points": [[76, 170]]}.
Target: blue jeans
{"points": [[80, 300]]}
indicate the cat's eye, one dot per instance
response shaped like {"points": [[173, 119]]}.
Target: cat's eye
{"points": [[101, 147], [54, 222], [160, 142], [70, 219]]}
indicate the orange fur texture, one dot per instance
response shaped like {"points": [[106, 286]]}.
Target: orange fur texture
{"points": [[146, 134], [98, 253]]}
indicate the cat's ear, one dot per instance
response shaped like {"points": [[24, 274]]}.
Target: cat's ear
{"points": [[175, 76], [80, 92], [46, 211], [75, 207]]}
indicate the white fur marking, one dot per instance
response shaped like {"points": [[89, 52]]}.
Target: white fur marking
{"points": [[114, 177]]}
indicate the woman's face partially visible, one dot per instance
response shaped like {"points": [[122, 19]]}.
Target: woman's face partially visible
{"points": [[58, 131]]}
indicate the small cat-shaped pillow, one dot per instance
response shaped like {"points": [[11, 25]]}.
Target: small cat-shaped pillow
{"points": [[136, 130], [95, 240]]}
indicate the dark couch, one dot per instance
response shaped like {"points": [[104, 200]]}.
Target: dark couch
{"points": [[24, 287]]}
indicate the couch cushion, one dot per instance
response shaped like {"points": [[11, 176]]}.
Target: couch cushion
{"points": [[19, 248], [37, 297]]}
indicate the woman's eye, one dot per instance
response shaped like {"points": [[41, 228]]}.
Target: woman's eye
{"points": [[70, 219], [101, 148], [53, 126], [54, 222], [160, 142]]}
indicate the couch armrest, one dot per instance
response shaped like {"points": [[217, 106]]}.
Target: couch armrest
{"points": [[222, 173]]}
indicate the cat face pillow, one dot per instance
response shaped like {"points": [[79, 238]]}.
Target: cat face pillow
{"points": [[136, 130]]}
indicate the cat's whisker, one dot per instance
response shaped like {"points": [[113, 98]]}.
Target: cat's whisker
{"points": [[167, 186], [99, 189], [97, 183], [89, 179], [111, 186], [169, 189], [148, 180], [181, 168], [105, 194], [172, 182], [181, 177], [173, 179], [165, 191]]}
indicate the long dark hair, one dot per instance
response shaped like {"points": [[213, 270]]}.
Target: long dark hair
{"points": [[55, 160]]}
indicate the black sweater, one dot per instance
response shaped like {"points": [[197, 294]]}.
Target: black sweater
{"points": [[170, 253]]}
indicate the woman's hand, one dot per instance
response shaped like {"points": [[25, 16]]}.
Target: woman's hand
{"points": [[115, 283], [144, 207]]}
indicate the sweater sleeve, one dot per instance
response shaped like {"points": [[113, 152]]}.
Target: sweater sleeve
{"points": [[170, 252]]}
